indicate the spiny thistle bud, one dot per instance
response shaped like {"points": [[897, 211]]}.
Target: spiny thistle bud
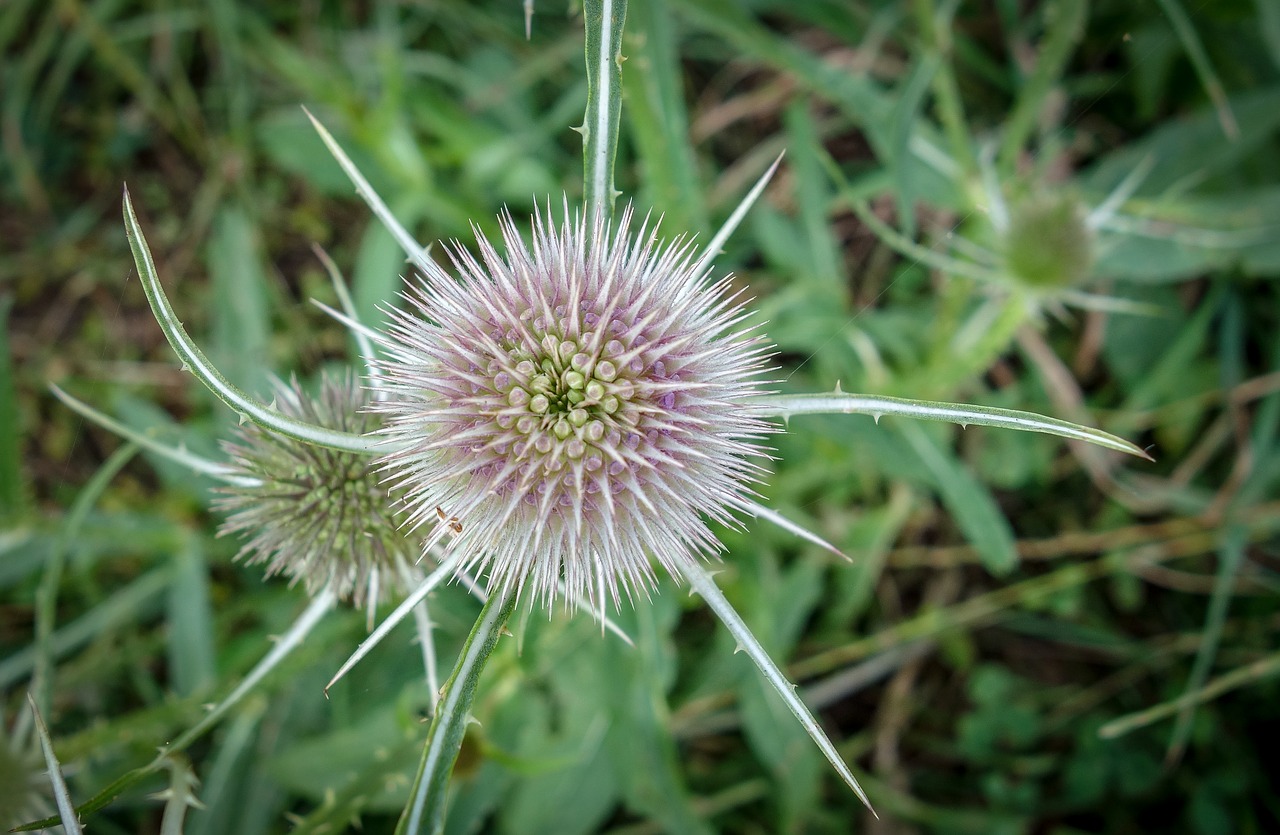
{"points": [[574, 410], [1048, 245], [315, 514]]}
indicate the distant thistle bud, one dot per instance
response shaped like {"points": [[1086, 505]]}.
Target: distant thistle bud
{"points": [[1048, 245], [574, 409], [316, 515]]}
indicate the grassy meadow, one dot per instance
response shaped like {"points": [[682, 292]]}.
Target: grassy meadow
{"points": [[1070, 208]]}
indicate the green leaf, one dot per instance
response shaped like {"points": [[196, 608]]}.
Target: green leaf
{"points": [[969, 502], [703, 583], [195, 361], [787, 405], [659, 121], [13, 490], [191, 629], [241, 324]]}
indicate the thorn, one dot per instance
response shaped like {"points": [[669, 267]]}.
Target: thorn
{"points": [[528, 20], [876, 417], [838, 391], [582, 130]]}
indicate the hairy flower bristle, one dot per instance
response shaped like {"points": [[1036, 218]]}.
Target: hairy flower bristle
{"points": [[574, 410], [315, 514]]}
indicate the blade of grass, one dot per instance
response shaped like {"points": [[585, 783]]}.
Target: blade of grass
{"points": [[192, 668], [1230, 557], [937, 30], [821, 251], [13, 499], [1186, 32], [658, 118], [300, 628], [968, 501], [134, 601], [51, 580], [240, 323], [1263, 668]]}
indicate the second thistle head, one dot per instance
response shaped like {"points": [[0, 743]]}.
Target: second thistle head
{"points": [[317, 515], [573, 410]]}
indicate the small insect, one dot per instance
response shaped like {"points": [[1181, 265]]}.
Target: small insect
{"points": [[452, 521]]}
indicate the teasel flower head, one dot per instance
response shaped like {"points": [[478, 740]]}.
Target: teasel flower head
{"points": [[317, 515], [1048, 245], [573, 410]]}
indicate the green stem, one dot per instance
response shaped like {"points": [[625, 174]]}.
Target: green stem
{"points": [[936, 29], [604, 19], [984, 337], [449, 725], [1064, 25]]}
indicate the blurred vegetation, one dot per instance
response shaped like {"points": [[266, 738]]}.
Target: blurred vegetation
{"points": [[1064, 207]]}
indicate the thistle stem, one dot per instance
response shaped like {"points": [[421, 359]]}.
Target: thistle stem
{"points": [[604, 19], [449, 724]]}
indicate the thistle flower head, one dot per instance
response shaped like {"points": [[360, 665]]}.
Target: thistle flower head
{"points": [[1048, 245], [573, 409], [315, 514]]}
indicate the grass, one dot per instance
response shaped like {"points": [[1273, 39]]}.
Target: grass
{"points": [[1033, 636]]}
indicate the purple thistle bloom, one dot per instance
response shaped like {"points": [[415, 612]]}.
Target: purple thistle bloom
{"points": [[574, 410]]}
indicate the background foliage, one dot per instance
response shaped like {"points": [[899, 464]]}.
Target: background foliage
{"points": [[1016, 607]]}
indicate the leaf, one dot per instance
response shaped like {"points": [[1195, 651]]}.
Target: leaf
{"points": [[788, 405], [968, 501], [241, 324], [195, 361]]}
